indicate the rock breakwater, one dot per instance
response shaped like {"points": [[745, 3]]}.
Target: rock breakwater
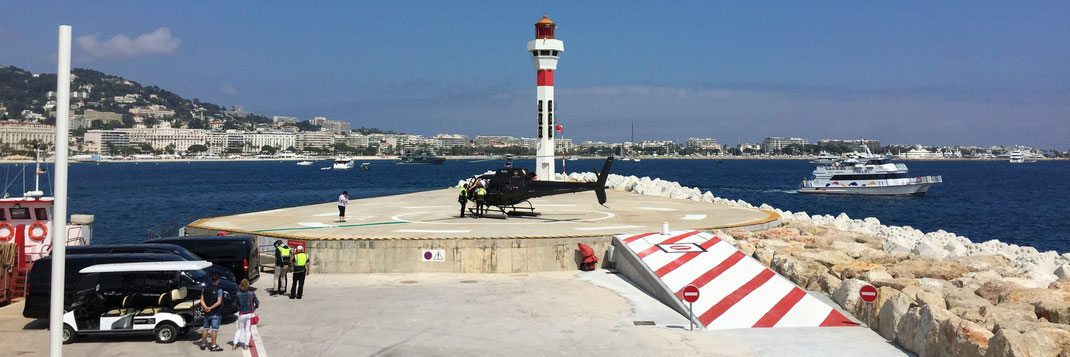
{"points": [[940, 294]]}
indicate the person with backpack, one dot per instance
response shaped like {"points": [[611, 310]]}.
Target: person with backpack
{"points": [[247, 305], [211, 299]]}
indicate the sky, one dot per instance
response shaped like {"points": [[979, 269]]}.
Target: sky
{"points": [[917, 72]]}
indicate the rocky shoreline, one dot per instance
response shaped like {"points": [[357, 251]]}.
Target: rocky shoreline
{"points": [[940, 294]]}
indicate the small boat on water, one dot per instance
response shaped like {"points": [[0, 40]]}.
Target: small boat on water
{"points": [[324, 168], [304, 163], [573, 158], [364, 166], [867, 174], [824, 158], [343, 163], [423, 158]]}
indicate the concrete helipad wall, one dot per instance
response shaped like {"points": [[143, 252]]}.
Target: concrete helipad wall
{"points": [[495, 255]]}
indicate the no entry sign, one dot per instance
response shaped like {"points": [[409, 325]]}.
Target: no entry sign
{"points": [[690, 293], [868, 293]]}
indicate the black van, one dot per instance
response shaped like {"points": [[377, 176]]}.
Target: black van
{"points": [[238, 253], [39, 287], [223, 272]]}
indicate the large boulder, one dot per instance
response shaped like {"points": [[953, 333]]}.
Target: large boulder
{"points": [[828, 283], [847, 294], [1006, 313], [874, 275], [1054, 311], [898, 284], [919, 331], [1038, 342], [780, 233], [1036, 296], [996, 263], [853, 249], [924, 298], [996, 290], [927, 269], [827, 258], [962, 339], [891, 312], [804, 273], [854, 269]]}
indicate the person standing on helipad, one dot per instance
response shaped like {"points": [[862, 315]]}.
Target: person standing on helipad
{"points": [[462, 197], [300, 270], [282, 264], [343, 201]]}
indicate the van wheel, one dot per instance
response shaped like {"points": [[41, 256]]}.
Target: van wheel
{"points": [[166, 332], [68, 334]]}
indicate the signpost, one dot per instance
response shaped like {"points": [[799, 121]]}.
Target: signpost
{"points": [[690, 294], [868, 293]]}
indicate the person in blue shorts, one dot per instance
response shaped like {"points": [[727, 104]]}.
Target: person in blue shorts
{"points": [[211, 299]]}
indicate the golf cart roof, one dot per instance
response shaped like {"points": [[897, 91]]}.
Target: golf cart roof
{"points": [[146, 266]]}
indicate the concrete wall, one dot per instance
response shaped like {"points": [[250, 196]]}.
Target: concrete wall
{"points": [[501, 255], [631, 266]]}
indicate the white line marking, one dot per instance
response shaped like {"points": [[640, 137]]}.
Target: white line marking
{"points": [[422, 207], [327, 214], [694, 217], [599, 228], [315, 224], [432, 231], [657, 208], [258, 344], [555, 205]]}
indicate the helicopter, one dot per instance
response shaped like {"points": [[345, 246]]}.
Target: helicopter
{"points": [[508, 188]]}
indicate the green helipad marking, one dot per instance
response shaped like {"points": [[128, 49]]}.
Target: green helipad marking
{"points": [[337, 226]]}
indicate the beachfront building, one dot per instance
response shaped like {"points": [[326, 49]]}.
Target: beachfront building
{"points": [[776, 144], [452, 140], [314, 139], [278, 140], [23, 135], [563, 145], [353, 141], [919, 153], [702, 144], [496, 141], [164, 139], [104, 141]]}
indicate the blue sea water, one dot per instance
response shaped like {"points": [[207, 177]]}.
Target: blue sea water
{"points": [[1023, 204]]}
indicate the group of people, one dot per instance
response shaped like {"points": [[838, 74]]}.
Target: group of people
{"points": [[286, 259], [474, 190]]}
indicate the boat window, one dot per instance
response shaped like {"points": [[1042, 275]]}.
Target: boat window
{"points": [[41, 213], [20, 213], [3, 214]]}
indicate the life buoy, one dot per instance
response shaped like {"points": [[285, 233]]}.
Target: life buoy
{"points": [[10, 231], [44, 231]]}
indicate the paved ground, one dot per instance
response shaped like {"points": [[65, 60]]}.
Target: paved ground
{"points": [[434, 214], [556, 313]]}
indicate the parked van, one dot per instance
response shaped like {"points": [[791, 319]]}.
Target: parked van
{"points": [[240, 254], [149, 248], [39, 282]]}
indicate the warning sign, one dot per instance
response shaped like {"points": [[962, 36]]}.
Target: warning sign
{"points": [[433, 255]]}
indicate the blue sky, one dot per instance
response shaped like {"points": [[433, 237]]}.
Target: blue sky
{"points": [[946, 72]]}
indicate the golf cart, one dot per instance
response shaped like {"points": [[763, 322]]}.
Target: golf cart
{"points": [[134, 298]]}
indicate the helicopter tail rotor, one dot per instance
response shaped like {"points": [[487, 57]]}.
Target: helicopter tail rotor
{"points": [[600, 188]]}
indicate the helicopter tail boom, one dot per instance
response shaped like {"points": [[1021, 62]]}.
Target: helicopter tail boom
{"points": [[600, 189]]}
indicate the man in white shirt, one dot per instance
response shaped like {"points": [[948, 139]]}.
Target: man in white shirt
{"points": [[343, 201]]}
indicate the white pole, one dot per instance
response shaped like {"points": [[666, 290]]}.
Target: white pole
{"points": [[59, 215]]}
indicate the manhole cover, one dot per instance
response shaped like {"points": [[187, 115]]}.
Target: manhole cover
{"points": [[408, 281], [467, 281], [643, 323]]}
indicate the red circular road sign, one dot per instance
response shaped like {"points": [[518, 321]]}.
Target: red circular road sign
{"points": [[868, 293], [690, 293]]}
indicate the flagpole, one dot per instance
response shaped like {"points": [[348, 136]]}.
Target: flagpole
{"points": [[59, 215]]}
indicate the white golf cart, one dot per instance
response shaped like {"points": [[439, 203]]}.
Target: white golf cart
{"points": [[136, 298]]}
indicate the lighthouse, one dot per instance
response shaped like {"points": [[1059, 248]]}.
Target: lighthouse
{"points": [[544, 51]]}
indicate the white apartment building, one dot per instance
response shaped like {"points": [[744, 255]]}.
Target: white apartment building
{"points": [[161, 138], [314, 139], [776, 143], [283, 120], [496, 141], [452, 140], [336, 127], [96, 141], [702, 144], [105, 117], [563, 145], [155, 111], [13, 134], [355, 141], [278, 140]]}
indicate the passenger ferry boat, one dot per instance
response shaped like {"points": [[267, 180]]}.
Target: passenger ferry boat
{"points": [[867, 175], [26, 232], [343, 163]]}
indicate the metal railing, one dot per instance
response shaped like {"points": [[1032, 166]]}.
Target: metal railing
{"points": [[169, 228]]}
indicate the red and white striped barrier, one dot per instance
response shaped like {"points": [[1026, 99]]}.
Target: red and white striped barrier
{"points": [[737, 291]]}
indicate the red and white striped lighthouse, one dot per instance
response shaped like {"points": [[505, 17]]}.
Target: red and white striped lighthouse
{"points": [[544, 50]]}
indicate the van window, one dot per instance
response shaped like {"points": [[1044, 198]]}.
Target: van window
{"points": [[217, 250]]}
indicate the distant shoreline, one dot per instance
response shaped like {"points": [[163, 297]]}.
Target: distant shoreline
{"points": [[362, 158]]}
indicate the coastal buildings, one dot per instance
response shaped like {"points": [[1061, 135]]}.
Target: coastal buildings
{"points": [[23, 135], [279, 140], [104, 117], [702, 144], [306, 140], [452, 140], [776, 144], [103, 142]]}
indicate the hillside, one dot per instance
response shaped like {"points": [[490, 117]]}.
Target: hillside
{"points": [[21, 91]]}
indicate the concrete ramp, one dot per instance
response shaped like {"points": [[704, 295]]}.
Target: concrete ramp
{"points": [[736, 291]]}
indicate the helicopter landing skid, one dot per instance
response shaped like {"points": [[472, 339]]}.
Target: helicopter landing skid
{"points": [[528, 211]]}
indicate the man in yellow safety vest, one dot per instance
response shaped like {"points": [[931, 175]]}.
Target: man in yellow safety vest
{"points": [[300, 264]]}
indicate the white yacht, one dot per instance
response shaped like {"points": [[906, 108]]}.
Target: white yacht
{"points": [[1017, 156], [867, 175], [824, 158], [343, 163], [304, 163]]}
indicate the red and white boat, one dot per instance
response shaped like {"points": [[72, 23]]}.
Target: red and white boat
{"points": [[26, 234]]}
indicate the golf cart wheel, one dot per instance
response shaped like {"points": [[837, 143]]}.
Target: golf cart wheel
{"points": [[166, 333], [68, 334]]}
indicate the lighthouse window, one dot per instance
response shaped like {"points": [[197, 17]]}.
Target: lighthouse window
{"points": [[545, 53], [550, 106], [41, 213], [555, 53], [540, 105]]}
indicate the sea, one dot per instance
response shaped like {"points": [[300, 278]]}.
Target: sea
{"points": [[1023, 204]]}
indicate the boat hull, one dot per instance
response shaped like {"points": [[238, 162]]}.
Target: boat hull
{"points": [[900, 190], [435, 161]]}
